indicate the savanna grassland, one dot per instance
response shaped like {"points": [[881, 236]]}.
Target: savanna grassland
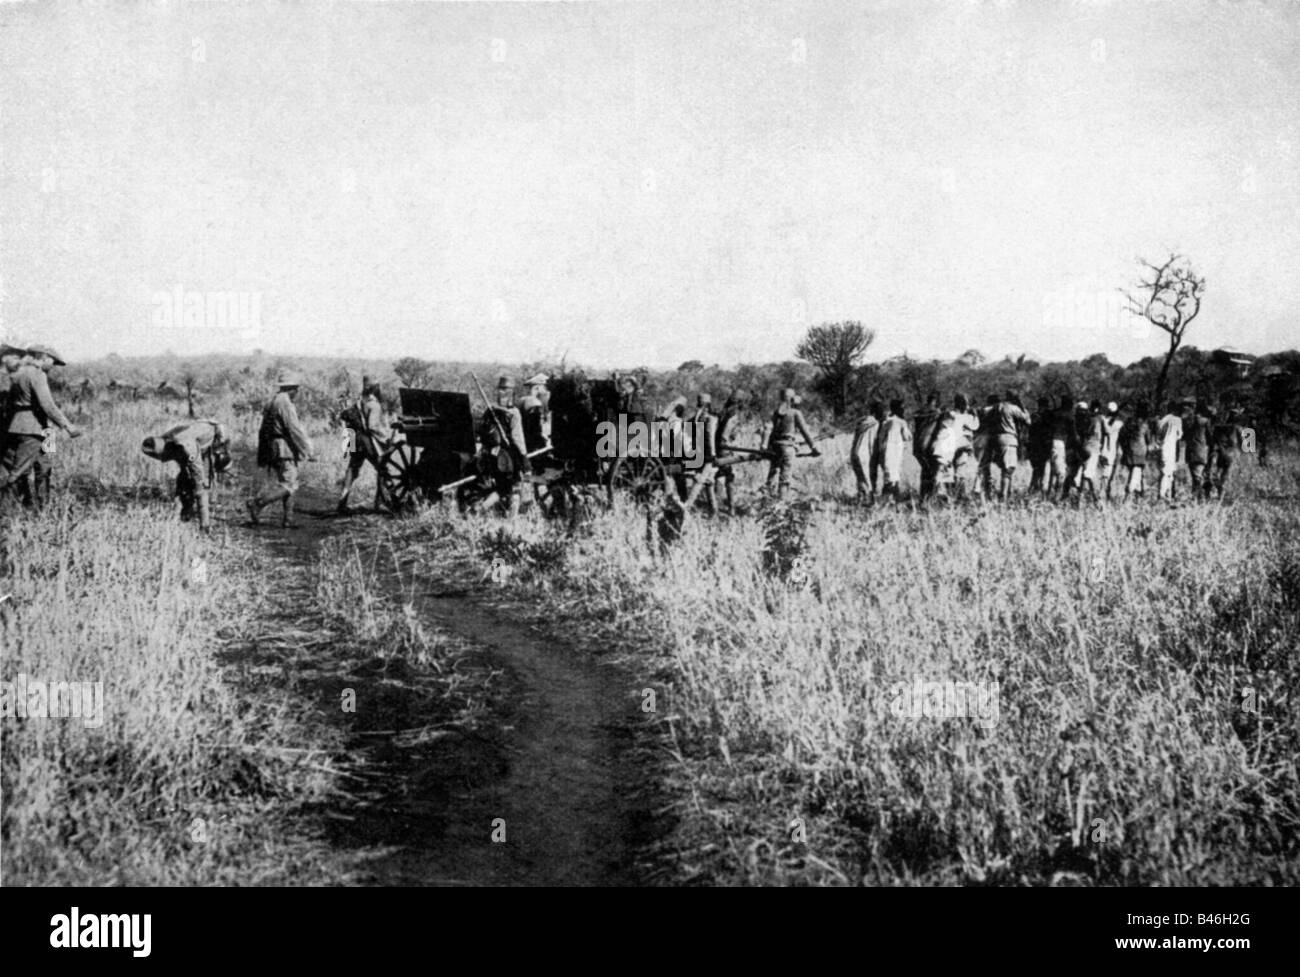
{"points": [[225, 755], [1143, 656]]}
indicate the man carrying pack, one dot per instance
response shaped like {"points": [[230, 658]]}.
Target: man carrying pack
{"points": [[788, 425], [33, 416], [282, 444], [367, 439], [201, 451]]}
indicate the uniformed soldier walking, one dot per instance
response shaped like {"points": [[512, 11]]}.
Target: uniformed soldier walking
{"points": [[367, 438], [788, 425], [282, 444], [200, 450], [33, 417]]}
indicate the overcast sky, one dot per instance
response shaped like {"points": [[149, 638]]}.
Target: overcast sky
{"points": [[644, 183]]}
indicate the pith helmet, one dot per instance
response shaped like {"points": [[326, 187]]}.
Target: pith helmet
{"points": [[537, 380], [40, 349], [289, 379]]}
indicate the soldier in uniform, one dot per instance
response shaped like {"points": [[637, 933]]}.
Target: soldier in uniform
{"points": [[503, 461], [788, 425], [200, 450], [368, 437], [32, 417], [282, 444], [533, 411]]}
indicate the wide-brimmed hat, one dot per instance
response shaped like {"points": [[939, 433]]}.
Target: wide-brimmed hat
{"points": [[6, 350], [537, 380], [289, 379], [40, 349]]}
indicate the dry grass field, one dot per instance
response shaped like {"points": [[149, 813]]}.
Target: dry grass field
{"points": [[1139, 663], [1136, 664]]}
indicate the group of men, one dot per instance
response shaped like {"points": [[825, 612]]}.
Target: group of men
{"points": [[1072, 447], [720, 451], [31, 418]]}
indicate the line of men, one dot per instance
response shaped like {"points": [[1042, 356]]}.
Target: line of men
{"points": [[31, 418], [783, 433], [1070, 447]]}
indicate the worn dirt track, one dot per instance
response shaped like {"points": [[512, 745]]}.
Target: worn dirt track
{"points": [[559, 779]]}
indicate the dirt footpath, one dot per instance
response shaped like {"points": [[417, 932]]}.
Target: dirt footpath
{"points": [[552, 796]]}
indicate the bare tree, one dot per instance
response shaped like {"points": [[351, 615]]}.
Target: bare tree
{"points": [[1169, 300], [835, 348]]}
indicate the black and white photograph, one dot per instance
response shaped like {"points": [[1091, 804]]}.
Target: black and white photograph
{"points": [[651, 444]]}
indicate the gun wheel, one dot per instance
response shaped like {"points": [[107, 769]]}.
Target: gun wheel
{"points": [[397, 476], [641, 478]]}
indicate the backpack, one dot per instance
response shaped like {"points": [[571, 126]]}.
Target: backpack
{"points": [[352, 417], [220, 452]]}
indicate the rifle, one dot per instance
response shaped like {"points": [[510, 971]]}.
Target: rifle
{"points": [[505, 438]]}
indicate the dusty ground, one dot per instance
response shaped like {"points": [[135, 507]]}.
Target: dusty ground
{"points": [[555, 764]]}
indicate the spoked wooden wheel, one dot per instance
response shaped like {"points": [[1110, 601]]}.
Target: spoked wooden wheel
{"points": [[641, 478], [397, 476]]}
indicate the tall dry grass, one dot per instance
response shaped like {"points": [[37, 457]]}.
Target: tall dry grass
{"points": [[1144, 658], [188, 777]]}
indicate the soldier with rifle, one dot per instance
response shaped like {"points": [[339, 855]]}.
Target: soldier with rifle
{"points": [[503, 461]]}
